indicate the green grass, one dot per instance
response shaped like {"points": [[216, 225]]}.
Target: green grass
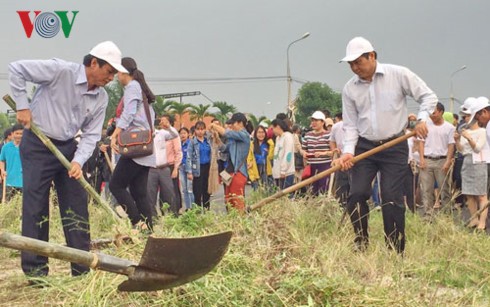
{"points": [[286, 254]]}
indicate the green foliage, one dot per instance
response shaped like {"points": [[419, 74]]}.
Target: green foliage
{"points": [[115, 92], [161, 107], [316, 96], [4, 123], [198, 112], [225, 110], [177, 108], [256, 120], [290, 253]]}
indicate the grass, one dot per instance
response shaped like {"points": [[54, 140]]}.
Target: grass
{"points": [[290, 253]]}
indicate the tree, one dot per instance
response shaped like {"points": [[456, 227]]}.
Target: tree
{"points": [[115, 92], [4, 123], [256, 120], [198, 112], [225, 109], [161, 107], [177, 108], [316, 96]]}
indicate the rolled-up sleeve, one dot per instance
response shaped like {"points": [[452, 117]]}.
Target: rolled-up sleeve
{"points": [[35, 71], [349, 114], [415, 87], [240, 136], [131, 99]]}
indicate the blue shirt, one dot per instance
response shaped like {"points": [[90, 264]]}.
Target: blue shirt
{"points": [[11, 156], [185, 145], [264, 150], [204, 151], [238, 148], [62, 104]]}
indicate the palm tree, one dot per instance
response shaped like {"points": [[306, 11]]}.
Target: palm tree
{"points": [[225, 109], [160, 106], [256, 120], [198, 112], [179, 109]]}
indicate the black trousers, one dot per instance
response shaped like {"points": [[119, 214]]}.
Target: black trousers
{"points": [[392, 164], [200, 187], [409, 188], [40, 168], [129, 174]]}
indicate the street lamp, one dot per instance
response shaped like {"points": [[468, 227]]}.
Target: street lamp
{"points": [[451, 81], [290, 107]]}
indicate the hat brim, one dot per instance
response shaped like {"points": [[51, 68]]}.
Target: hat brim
{"points": [[118, 67], [317, 118], [351, 57]]}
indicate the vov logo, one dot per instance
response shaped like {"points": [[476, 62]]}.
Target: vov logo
{"points": [[47, 24]]}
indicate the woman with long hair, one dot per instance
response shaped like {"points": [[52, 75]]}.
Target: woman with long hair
{"points": [[185, 169], [263, 150], [132, 173], [283, 166]]}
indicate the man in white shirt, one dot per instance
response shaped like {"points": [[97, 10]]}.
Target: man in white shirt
{"points": [[341, 183], [436, 156], [375, 111]]}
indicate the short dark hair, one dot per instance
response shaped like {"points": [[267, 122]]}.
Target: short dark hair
{"points": [[170, 118], [339, 115], [200, 124], [17, 127], [7, 132], [282, 124], [184, 129], [87, 60], [327, 113], [366, 55], [455, 116], [281, 116], [440, 107]]}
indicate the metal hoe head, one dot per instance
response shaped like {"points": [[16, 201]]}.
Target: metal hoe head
{"points": [[168, 263]]}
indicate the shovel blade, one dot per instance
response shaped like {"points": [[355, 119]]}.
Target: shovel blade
{"points": [[168, 263]]}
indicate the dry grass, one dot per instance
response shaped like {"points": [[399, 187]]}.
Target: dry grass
{"points": [[287, 254]]}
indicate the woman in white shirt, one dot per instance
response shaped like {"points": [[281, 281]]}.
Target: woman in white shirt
{"points": [[283, 163], [474, 174]]}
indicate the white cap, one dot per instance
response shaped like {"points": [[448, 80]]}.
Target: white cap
{"points": [[318, 115], [109, 52], [466, 107], [355, 48], [479, 104]]}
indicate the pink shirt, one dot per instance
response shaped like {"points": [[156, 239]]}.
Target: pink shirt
{"points": [[174, 151]]}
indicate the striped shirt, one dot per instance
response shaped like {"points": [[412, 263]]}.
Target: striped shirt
{"points": [[317, 142]]}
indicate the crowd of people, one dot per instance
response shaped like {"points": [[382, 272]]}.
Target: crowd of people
{"points": [[443, 164]]}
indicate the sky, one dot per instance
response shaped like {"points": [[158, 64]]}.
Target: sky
{"points": [[198, 40]]}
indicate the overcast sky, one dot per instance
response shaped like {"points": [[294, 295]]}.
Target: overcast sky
{"points": [[196, 39]]}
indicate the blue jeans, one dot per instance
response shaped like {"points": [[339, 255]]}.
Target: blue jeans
{"points": [[286, 182], [186, 188]]}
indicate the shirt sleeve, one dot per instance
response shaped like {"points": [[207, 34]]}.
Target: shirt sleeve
{"points": [[451, 135], [177, 151], [34, 71], [132, 98], [240, 136], [287, 159], [481, 140], [2, 154], [415, 87], [349, 114], [91, 132]]}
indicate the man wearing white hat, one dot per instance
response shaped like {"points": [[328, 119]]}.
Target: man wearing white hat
{"points": [[374, 110], [69, 98]]}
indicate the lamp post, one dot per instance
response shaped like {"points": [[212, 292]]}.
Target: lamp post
{"points": [[451, 107], [290, 108]]}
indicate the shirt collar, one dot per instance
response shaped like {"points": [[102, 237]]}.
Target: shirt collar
{"points": [[379, 71], [82, 80]]}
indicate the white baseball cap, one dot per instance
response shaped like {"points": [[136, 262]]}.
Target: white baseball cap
{"points": [[479, 104], [466, 107], [109, 52], [357, 47], [318, 115]]}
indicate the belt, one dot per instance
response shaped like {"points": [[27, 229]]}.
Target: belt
{"points": [[435, 157], [381, 142]]}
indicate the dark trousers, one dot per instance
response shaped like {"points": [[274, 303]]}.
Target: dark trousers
{"points": [[392, 164], [176, 182], [458, 180], [409, 187], [320, 186], [342, 186], [40, 168], [200, 187], [130, 174]]}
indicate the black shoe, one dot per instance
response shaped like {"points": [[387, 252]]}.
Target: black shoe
{"points": [[37, 283]]}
